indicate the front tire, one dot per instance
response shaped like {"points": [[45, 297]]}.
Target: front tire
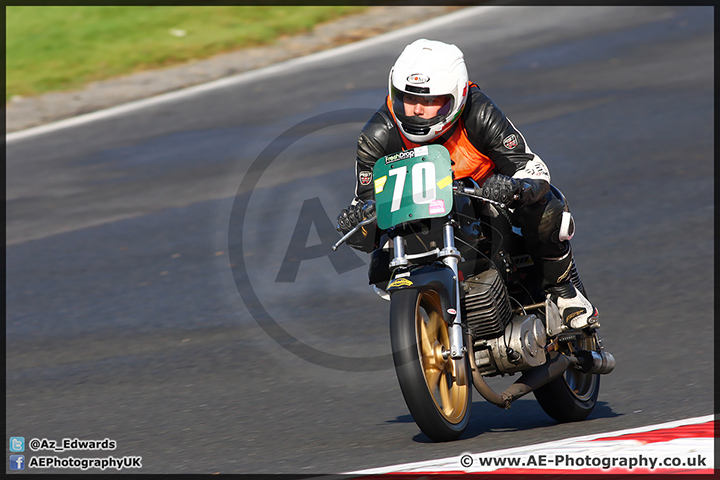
{"points": [[436, 389]]}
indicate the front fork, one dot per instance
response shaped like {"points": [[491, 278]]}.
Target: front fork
{"points": [[450, 256]]}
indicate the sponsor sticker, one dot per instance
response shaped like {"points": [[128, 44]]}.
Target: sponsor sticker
{"points": [[405, 154], [420, 151], [510, 141], [400, 282], [380, 184], [418, 78], [444, 182], [365, 177], [437, 206], [452, 311], [399, 156]]}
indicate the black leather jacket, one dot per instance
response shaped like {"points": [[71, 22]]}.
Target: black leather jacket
{"points": [[487, 128]]}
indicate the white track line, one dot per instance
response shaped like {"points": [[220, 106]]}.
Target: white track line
{"points": [[245, 77], [575, 446]]}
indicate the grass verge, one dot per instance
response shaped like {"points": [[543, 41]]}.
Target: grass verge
{"points": [[50, 48]]}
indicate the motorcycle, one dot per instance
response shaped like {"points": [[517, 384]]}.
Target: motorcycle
{"points": [[466, 302]]}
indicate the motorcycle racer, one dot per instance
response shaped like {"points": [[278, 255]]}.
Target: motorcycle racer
{"points": [[431, 101]]}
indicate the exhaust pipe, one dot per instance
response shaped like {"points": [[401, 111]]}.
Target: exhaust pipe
{"points": [[530, 380], [537, 377], [588, 361], [479, 382], [485, 391], [595, 362]]}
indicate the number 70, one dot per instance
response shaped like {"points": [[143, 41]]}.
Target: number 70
{"points": [[422, 181]]}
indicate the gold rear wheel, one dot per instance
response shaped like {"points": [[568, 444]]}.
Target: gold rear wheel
{"points": [[572, 397]]}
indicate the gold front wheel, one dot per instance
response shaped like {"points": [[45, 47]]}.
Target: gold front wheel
{"points": [[435, 387]]}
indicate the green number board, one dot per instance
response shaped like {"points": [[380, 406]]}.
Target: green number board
{"points": [[412, 185]]}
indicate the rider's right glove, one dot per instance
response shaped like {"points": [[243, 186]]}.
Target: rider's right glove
{"points": [[349, 217], [501, 188], [364, 239]]}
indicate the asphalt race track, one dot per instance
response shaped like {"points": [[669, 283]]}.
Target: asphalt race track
{"points": [[170, 284]]}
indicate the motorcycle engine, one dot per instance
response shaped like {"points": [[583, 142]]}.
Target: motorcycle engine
{"points": [[486, 306], [502, 344], [522, 346]]}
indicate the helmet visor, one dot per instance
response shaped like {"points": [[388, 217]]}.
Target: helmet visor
{"points": [[417, 110]]}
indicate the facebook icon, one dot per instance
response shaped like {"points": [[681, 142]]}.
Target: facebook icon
{"points": [[17, 462]]}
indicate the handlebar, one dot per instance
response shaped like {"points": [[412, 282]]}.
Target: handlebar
{"points": [[472, 192], [367, 221], [466, 191]]}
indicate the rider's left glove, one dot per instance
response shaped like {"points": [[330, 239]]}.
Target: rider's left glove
{"points": [[501, 188]]}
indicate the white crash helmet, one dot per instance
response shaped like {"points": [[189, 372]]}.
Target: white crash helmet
{"points": [[431, 69]]}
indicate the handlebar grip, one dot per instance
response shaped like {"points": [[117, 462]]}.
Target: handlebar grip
{"points": [[352, 232], [477, 193]]}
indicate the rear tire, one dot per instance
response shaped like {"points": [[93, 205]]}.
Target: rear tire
{"points": [[436, 390], [571, 397]]}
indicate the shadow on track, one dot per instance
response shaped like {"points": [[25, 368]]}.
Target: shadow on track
{"points": [[525, 415]]}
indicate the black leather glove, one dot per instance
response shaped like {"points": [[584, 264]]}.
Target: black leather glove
{"points": [[349, 217], [501, 188], [531, 190]]}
